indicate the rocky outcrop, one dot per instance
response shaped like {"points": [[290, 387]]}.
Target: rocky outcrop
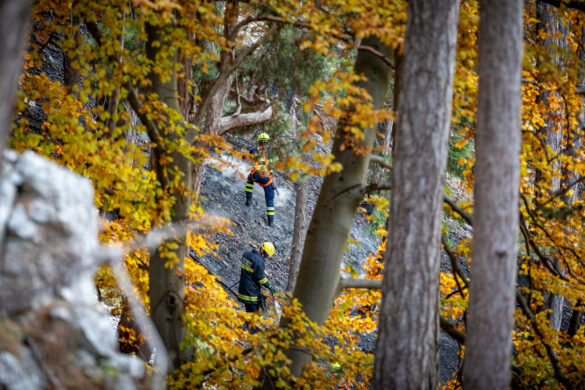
{"points": [[53, 331]]}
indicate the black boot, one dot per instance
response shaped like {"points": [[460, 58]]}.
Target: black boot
{"points": [[248, 202], [269, 222]]}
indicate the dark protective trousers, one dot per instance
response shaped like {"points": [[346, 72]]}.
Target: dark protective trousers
{"points": [[268, 192]]}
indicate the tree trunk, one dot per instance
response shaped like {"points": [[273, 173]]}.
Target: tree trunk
{"points": [[550, 23], [407, 349], [336, 205], [299, 234], [496, 194], [167, 284], [212, 120], [15, 18], [301, 211]]}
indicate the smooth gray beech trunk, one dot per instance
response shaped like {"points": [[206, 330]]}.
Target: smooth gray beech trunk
{"points": [[15, 19], [299, 233], [337, 204], [167, 285], [488, 348], [406, 354], [301, 217]]}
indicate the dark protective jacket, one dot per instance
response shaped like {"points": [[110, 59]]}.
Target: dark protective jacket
{"points": [[252, 277]]}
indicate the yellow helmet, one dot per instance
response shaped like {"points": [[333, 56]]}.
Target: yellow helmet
{"points": [[263, 137], [268, 247]]}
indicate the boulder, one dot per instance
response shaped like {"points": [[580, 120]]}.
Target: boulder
{"points": [[55, 334]]}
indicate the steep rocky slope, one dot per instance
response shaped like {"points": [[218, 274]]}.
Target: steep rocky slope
{"points": [[223, 195]]}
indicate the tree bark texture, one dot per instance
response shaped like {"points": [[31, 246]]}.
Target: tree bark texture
{"points": [[167, 284], [15, 19], [406, 354], [337, 203], [550, 23], [299, 234], [488, 350]]}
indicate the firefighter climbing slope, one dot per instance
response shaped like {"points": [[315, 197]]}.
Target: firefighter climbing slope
{"points": [[261, 174]]}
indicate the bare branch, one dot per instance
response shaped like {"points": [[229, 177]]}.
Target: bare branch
{"points": [[376, 284], [375, 187], [380, 161], [228, 123], [114, 255], [372, 284], [451, 330], [156, 237]]}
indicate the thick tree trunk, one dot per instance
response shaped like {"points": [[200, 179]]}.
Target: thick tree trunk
{"points": [[211, 125], [299, 234], [15, 18], [488, 350], [406, 354], [337, 204], [167, 284]]}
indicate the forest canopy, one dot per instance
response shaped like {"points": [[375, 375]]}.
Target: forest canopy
{"points": [[138, 96]]}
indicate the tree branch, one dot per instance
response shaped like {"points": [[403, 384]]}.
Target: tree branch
{"points": [[151, 128], [572, 4], [258, 101], [381, 161], [563, 190], [227, 71], [456, 270], [372, 284], [300, 24], [451, 330], [373, 188], [376, 284], [549, 351], [464, 214], [228, 123], [114, 255]]}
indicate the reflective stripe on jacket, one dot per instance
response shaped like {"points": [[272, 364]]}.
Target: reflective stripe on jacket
{"points": [[252, 276]]}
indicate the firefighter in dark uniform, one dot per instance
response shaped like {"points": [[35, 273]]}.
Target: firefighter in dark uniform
{"points": [[252, 277], [261, 174]]}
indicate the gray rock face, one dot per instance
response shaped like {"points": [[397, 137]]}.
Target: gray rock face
{"points": [[48, 256]]}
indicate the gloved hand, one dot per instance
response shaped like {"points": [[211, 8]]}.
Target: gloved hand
{"points": [[272, 290], [275, 189]]}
